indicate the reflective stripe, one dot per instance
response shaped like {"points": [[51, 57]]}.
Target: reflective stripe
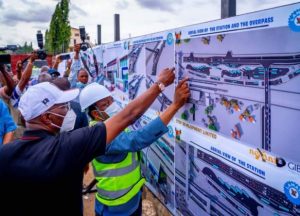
{"points": [[100, 165], [113, 194], [118, 171], [123, 198], [119, 182]]}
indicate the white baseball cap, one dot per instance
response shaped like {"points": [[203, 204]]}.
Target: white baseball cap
{"points": [[41, 97]]}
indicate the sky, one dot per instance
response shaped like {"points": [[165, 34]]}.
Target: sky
{"points": [[21, 19]]}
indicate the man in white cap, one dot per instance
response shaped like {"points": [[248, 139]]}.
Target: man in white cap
{"points": [[41, 173]]}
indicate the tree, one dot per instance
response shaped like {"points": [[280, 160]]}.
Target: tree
{"points": [[55, 29], [47, 41], [25, 49], [66, 28], [58, 36]]}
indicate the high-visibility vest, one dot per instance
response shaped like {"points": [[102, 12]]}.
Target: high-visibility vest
{"points": [[93, 122], [118, 182]]}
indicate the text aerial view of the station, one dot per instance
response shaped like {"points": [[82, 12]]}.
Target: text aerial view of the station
{"points": [[206, 184]]}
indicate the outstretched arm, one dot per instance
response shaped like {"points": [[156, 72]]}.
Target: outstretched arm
{"points": [[75, 66], [27, 72], [56, 63], [182, 93], [8, 137], [19, 69], [137, 107], [10, 83], [136, 140]]}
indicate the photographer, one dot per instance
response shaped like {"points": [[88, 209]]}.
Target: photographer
{"points": [[12, 93], [56, 61], [78, 76], [68, 68], [8, 84], [18, 74]]}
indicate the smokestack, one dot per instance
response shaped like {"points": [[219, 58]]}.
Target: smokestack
{"points": [[99, 34], [228, 8], [117, 27]]}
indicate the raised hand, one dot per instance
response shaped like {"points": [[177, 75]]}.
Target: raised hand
{"points": [[182, 93], [166, 76], [33, 56]]}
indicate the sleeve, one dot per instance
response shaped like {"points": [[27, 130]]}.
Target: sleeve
{"points": [[86, 143], [15, 97], [84, 119], [81, 117], [75, 67], [136, 140], [9, 124]]}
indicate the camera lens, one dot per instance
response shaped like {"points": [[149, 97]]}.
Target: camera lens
{"points": [[42, 55], [84, 46]]}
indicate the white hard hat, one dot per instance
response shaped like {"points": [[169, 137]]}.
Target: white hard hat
{"points": [[91, 94]]}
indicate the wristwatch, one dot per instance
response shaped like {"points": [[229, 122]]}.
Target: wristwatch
{"points": [[161, 86]]}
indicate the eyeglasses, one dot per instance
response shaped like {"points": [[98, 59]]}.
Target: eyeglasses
{"points": [[64, 106]]}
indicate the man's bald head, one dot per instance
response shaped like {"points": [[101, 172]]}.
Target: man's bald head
{"points": [[44, 77], [62, 83], [44, 69]]}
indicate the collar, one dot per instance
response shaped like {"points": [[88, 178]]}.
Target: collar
{"points": [[35, 134]]}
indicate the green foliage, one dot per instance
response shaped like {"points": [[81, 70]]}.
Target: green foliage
{"points": [[25, 49], [58, 36]]}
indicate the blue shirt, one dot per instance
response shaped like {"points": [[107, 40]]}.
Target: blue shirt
{"points": [[117, 150], [7, 124], [75, 67]]}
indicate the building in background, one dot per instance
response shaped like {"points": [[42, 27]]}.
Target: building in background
{"points": [[75, 39]]}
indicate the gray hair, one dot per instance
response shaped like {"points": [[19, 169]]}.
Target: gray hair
{"points": [[44, 68], [44, 77]]}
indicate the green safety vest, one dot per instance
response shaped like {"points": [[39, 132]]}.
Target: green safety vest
{"points": [[118, 182]]}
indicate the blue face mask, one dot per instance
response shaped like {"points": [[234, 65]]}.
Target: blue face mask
{"points": [[80, 85]]}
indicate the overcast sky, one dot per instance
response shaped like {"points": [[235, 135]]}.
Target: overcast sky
{"points": [[20, 19]]}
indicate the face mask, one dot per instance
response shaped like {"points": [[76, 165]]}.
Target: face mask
{"points": [[113, 109], [80, 85], [68, 122]]}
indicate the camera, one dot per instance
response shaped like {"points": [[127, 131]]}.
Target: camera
{"points": [[5, 59], [41, 52], [65, 57], [84, 45]]}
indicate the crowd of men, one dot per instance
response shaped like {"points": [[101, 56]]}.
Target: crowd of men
{"points": [[53, 126]]}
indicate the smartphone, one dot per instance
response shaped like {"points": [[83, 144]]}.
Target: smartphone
{"points": [[5, 59], [65, 57]]}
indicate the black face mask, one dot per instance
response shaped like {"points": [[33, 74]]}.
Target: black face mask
{"points": [[102, 115]]}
